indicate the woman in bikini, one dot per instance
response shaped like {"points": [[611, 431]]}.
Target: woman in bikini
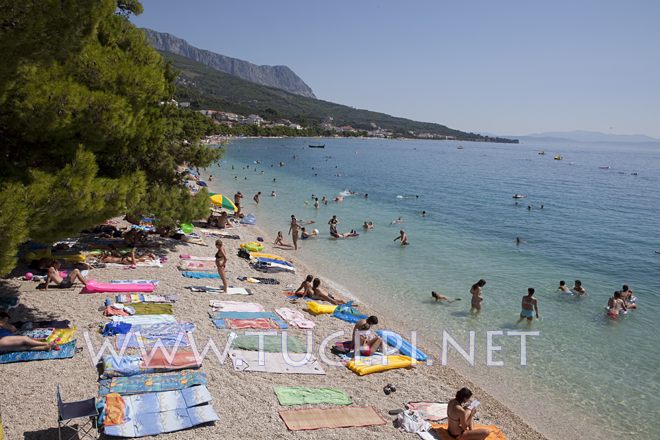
{"points": [[318, 293], [10, 341], [475, 290], [220, 263], [305, 287], [459, 418]]}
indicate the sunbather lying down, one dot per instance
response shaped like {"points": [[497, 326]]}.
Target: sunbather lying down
{"points": [[10, 342], [129, 259]]}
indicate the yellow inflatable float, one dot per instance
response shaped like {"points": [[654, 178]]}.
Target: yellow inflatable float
{"points": [[320, 309], [376, 365], [253, 246]]}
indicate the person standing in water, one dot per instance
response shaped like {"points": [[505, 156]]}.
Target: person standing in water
{"points": [[578, 289], [477, 299], [530, 307], [563, 288], [294, 231], [403, 237], [256, 197], [616, 306], [316, 202], [221, 263]]}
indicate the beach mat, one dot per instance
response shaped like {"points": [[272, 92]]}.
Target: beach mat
{"points": [[66, 351], [243, 324], [169, 335], [94, 286], [146, 383], [212, 289], [320, 418], [295, 318], [133, 298], [152, 308], [273, 363], [441, 432], [200, 275], [145, 319], [157, 413], [288, 396], [393, 339], [235, 306], [271, 343], [152, 263], [197, 266], [154, 282], [430, 411]]}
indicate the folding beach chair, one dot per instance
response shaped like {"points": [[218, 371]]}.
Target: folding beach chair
{"points": [[67, 412]]}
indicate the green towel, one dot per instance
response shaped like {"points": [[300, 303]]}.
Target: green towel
{"points": [[272, 343], [152, 309], [311, 396]]}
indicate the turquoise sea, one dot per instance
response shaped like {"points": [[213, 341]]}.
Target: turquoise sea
{"points": [[602, 226]]}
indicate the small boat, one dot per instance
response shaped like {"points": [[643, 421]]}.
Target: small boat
{"points": [[316, 146], [558, 157], [605, 167], [541, 153], [519, 196], [460, 147]]}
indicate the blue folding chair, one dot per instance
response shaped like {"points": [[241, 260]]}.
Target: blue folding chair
{"points": [[67, 412]]}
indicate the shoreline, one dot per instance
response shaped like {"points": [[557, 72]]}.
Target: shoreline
{"points": [[235, 394]]}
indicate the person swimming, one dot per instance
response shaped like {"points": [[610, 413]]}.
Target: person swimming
{"points": [[578, 289], [439, 297], [397, 221], [563, 288]]}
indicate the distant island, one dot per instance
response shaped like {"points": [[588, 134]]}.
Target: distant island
{"points": [[244, 107]]}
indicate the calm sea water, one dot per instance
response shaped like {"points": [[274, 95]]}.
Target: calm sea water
{"points": [[598, 225]]}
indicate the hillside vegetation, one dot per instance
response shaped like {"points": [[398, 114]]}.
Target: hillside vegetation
{"points": [[206, 88]]}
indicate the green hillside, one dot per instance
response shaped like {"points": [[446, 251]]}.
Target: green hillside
{"points": [[206, 88]]}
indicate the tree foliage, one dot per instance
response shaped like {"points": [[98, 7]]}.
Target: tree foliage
{"points": [[84, 128]]}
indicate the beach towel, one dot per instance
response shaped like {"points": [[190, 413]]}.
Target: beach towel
{"points": [[195, 258], [132, 298], [495, 433], [235, 306], [295, 318], [242, 320], [157, 413], [395, 340], [146, 383], [154, 282], [319, 418], [272, 260], [152, 308], [193, 239], [262, 266], [66, 351], [272, 343], [150, 263], [169, 335], [200, 275], [145, 319], [244, 360], [346, 312], [288, 396], [203, 266], [430, 411], [94, 286], [259, 280], [132, 365], [219, 290]]}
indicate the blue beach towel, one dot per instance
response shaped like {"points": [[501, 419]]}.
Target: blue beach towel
{"points": [[347, 313], [146, 383], [199, 275], [66, 351]]}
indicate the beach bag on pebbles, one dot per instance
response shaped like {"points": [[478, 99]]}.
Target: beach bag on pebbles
{"points": [[412, 421], [243, 254]]}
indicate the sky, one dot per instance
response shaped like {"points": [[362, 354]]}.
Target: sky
{"points": [[497, 66]]}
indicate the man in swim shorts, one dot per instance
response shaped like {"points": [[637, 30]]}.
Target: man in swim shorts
{"points": [[530, 306], [63, 282]]}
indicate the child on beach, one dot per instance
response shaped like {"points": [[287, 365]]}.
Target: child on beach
{"points": [[221, 263], [10, 341], [63, 282], [279, 241], [475, 291], [529, 306]]}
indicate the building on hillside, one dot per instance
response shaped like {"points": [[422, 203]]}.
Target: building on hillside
{"points": [[184, 104], [296, 126], [253, 120]]}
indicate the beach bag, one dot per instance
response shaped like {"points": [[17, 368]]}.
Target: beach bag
{"points": [[412, 421], [243, 254]]}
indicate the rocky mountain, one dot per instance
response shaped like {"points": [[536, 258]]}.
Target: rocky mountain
{"points": [[280, 77]]}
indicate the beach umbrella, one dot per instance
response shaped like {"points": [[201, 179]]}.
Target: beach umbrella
{"points": [[222, 201]]}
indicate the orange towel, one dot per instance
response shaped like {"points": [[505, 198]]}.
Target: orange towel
{"points": [[115, 409], [495, 432], [181, 360]]}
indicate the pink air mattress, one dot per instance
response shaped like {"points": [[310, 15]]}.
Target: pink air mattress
{"points": [[94, 286]]}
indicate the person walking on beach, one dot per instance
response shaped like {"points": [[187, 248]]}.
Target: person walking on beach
{"points": [[294, 231], [256, 197], [221, 263], [475, 291], [237, 201], [460, 417], [403, 237], [530, 307]]}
